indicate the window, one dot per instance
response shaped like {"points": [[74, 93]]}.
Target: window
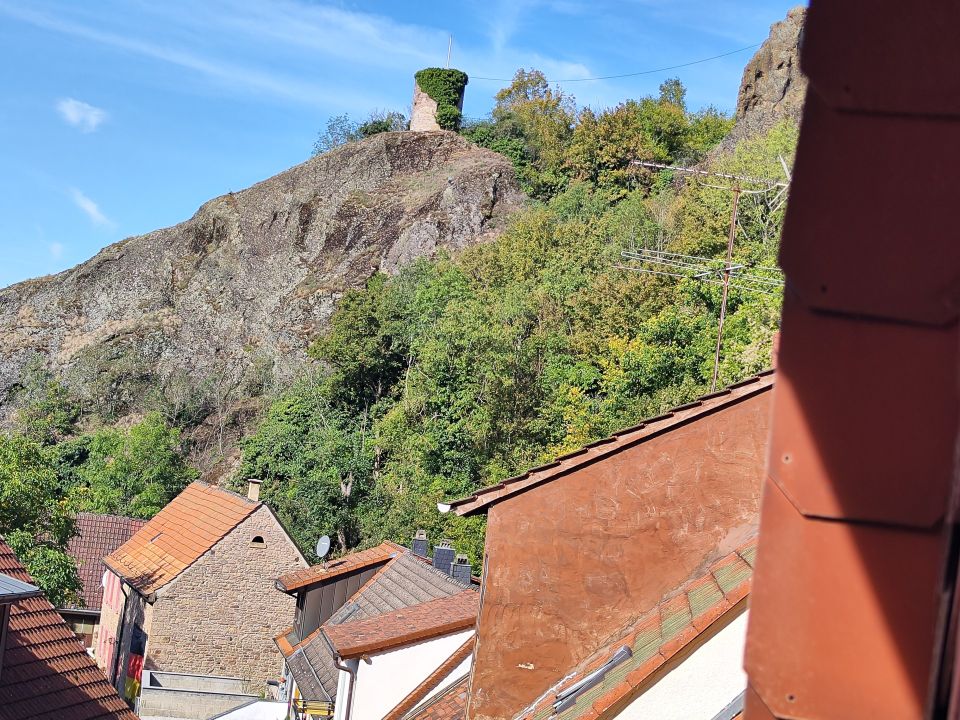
{"points": [[258, 542]]}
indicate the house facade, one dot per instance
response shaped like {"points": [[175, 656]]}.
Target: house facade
{"points": [[581, 546], [193, 592], [409, 617]]}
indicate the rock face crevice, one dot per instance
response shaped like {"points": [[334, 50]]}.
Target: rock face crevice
{"points": [[251, 278]]}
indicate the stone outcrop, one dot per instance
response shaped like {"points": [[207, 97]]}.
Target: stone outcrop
{"points": [[233, 296], [772, 88]]}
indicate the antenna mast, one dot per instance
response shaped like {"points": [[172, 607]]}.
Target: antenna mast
{"points": [[702, 268], [449, 50]]}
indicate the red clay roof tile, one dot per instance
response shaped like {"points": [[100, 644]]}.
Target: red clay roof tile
{"points": [[46, 670], [178, 536], [451, 704], [349, 563], [98, 536], [401, 627]]}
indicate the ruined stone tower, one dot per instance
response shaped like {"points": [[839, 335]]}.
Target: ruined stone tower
{"points": [[437, 99]]}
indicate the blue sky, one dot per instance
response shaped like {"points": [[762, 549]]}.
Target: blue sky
{"points": [[118, 117]]}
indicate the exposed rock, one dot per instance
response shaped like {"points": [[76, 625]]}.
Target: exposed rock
{"points": [[772, 88], [236, 293]]}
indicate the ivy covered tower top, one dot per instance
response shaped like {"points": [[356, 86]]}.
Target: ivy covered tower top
{"points": [[438, 99]]}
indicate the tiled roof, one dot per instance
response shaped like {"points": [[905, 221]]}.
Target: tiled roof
{"points": [[626, 438], [433, 681], [653, 638], [178, 536], [98, 536], [401, 627], [355, 561], [47, 674], [451, 704], [404, 581]]}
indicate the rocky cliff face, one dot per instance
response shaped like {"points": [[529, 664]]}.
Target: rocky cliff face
{"points": [[772, 88], [234, 295]]}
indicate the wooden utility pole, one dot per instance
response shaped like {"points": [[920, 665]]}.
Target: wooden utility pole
{"points": [[726, 283]]}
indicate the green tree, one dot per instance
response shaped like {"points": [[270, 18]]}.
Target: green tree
{"points": [[133, 472], [36, 519]]}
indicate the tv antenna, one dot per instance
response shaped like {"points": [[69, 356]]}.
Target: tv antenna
{"points": [[323, 547], [768, 280]]}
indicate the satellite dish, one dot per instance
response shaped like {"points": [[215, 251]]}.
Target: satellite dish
{"points": [[103, 580], [323, 546]]}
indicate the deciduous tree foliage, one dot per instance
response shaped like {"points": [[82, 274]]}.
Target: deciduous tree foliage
{"points": [[461, 371]]}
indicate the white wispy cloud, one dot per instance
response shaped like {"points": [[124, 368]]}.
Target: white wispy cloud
{"points": [[90, 208], [56, 250], [80, 114]]}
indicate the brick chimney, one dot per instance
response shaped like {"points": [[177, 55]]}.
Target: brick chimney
{"points": [[420, 546], [253, 489], [461, 570], [443, 556]]}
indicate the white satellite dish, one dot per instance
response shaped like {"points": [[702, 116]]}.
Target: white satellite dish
{"points": [[103, 580], [323, 546]]}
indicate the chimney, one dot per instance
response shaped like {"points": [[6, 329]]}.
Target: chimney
{"points": [[461, 570], [443, 556], [253, 489], [420, 546]]}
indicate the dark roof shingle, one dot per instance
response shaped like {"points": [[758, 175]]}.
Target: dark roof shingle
{"points": [[98, 536]]}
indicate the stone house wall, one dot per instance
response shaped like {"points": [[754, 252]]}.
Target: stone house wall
{"points": [[219, 617]]}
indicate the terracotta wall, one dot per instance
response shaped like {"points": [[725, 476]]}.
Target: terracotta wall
{"points": [[572, 561], [220, 615]]}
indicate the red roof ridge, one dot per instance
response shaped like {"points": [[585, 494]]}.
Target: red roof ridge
{"points": [[659, 633], [334, 568], [397, 628], [179, 535], [620, 440], [432, 681]]}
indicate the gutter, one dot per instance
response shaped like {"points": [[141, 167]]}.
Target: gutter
{"points": [[337, 661], [123, 619]]}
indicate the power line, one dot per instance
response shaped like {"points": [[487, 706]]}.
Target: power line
{"points": [[633, 74]]}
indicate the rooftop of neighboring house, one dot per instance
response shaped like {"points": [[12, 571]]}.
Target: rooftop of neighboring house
{"points": [[483, 499], [391, 598], [45, 669], [415, 623], [451, 704], [179, 535], [637, 656], [437, 683], [97, 536]]}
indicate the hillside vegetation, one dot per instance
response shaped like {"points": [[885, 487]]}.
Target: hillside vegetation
{"points": [[463, 370], [457, 370]]}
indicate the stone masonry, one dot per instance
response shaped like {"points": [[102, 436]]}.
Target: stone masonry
{"points": [[424, 114], [220, 615]]}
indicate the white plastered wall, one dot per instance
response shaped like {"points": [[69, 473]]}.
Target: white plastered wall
{"points": [[389, 677], [702, 685]]}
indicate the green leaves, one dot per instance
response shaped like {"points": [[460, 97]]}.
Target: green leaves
{"points": [[445, 87]]}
